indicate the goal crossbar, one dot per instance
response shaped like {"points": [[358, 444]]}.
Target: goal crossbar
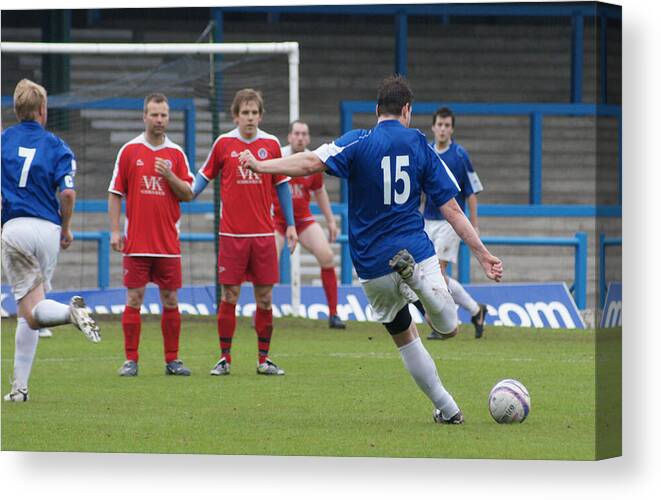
{"points": [[289, 48]]}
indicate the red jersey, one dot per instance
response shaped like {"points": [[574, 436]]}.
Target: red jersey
{"points": [[301, 188], [247, 197], [152, 209]]}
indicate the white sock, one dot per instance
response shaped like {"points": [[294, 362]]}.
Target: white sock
{"points": [[51, 313], [421, 366], [461, 297], [26, 347]]}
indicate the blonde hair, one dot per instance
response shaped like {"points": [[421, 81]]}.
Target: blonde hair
{"points": [[28, 99], [247, 95]]}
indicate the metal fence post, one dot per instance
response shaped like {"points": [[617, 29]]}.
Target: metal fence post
{"points": [[285, 266], [581, 270], [577, 58], [464, 264], [189, 133], [603, 58], [104, 260], [602, 268], [401, 43], [535, 195], [346, 270]]}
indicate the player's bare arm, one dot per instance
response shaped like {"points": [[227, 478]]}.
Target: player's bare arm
{"points": [[472, 207], [181, 189], [321, 195], [297, 165], [67, 201], [492, 265], [114, 212]]}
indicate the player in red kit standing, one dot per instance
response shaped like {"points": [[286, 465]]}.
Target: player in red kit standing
{"points": [[153, 175], [247, 249], [310, 233]]}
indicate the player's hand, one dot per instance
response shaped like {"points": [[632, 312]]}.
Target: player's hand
{"points": [[292, 238], [116, 241], [493, 267], [66, 237], [332, 231], [163, 168], [246, 159]]}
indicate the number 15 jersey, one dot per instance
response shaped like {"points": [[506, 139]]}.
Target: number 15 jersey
{"points": [[387, 168]]}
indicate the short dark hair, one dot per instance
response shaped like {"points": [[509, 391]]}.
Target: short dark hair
{"points": [[155, 97], [394, 93], [443, 113], [291, 125]]}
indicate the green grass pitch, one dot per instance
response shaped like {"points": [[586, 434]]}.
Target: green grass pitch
{"points": [[346, 393]]}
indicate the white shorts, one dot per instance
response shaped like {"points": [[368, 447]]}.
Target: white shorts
{"points": [[389, 294], [30, 247], [446, 241]]}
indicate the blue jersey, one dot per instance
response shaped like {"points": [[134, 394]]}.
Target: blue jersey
{"points": [[35, 163], [387, 168], [456, 158]]}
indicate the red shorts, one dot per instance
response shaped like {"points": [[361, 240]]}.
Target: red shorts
{"points": [[165, 272], [248, 259], [281, 227]]}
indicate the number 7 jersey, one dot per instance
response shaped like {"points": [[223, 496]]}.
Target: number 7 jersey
{"points": [[35, 164], [387, 168]]}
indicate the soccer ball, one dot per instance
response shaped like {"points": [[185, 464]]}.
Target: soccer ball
{"points": [[509, 402]]}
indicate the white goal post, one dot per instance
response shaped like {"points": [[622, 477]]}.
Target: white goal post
{"points": [[289, 48]]}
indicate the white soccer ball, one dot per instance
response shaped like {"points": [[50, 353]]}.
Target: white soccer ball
{"points": [[509, 402]]}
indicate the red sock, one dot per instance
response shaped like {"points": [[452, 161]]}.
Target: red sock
{"points": [[329, 280], [264, 329], [171, 328], [226, 327], [131, 328]]}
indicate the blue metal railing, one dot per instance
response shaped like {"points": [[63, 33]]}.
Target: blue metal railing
{"points": [[345, 270], [536, 112], [603, 243], [505, 210], [346, 276], [579, 242], [204, 207], [103, 254]]}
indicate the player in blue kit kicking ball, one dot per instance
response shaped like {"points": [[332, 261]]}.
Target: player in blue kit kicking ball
{"points": [[387, 168], [36, 164]]}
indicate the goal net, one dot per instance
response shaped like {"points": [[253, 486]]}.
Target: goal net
{"points": [[102, 110]]}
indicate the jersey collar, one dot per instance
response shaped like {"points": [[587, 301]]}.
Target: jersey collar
{"points": [[145, 142], [444, 150], [237, 133], [31, 124], [389, 123]]}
